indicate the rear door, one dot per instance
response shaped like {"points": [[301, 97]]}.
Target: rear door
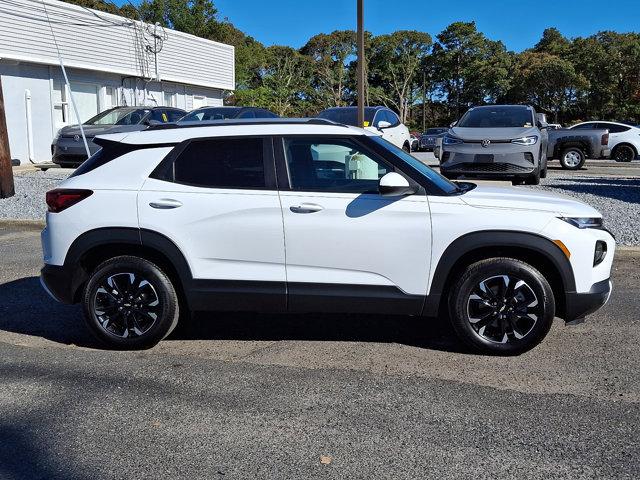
{"points": [[216, 199], [347, 247]]}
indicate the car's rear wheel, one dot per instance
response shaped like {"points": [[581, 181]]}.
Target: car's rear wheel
{"points": [[501, 306], [624, 153], [130, 303], [572, 158]]}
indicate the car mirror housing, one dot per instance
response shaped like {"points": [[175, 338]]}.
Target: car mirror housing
{"points": [[383, 124], [394, 184]]}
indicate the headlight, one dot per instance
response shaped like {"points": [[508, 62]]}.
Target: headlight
{"points": [[447, 140], [525, 140], [583, 222]]}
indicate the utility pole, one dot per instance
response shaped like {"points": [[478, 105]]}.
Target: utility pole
{"points": [[6, 173], [424, 101], [361, 63]]}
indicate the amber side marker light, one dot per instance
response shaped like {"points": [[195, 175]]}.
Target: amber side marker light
{"points": [[563, 247]]}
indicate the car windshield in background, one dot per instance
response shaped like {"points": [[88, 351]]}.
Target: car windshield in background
{"points": [[442, 183], [118, 116], [205, 114], [347, 115], [435, 131], [497, 117]]}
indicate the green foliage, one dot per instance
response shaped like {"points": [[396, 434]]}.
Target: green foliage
{"points": [[596, 77]]}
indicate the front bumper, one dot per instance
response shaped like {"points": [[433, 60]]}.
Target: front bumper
{"points": [[499, 160], [579, 305], [67, 151]]}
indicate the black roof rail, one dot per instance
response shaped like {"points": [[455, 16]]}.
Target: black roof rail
{"points": [[252, 121]]}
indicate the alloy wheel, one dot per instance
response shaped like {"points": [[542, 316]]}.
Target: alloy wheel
{"points": [[126, 305], [624, 153], [572, 159], [503, 308]]}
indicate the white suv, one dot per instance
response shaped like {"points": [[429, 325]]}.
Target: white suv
{"points": [[311, 216]]}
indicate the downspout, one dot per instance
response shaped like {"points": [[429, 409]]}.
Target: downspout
{"points": [[27, 104]]}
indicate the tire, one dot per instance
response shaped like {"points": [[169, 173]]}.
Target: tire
{"points": [[406, 147], [133, 325], [511, 327], [572, 158], [518, 181], [624, 153], [533, 179]]}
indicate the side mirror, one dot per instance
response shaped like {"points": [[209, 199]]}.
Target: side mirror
{"points": [[393, 184], [453, 124], [543, 125], [382, 124]]}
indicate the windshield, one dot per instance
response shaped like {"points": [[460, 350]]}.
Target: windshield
{"points": [[432, 175], [348, 115], [221, 113], [497, 117], [435, 131], [118, 116]]}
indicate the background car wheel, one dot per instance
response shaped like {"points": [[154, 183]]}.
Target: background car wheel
{"points": [[406, 148], [130, 303], [572, 158], [624, 153], [501, 306]]}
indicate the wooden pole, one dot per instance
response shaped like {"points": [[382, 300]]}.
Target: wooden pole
{"points": [[6, 173], [424, 101], [361, 63]]}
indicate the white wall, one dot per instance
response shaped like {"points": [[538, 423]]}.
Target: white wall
{"points": [[40, 81], [108, 43]]}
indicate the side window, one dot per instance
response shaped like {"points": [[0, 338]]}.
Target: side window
{"points": [[613, 128], [585, 126], [392, 118], [247, 114], [221, 163], [378, 117], [160, 115], [175, 115], [332, 165]]}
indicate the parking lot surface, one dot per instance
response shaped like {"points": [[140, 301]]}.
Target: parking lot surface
{"points": [[260, 396]]}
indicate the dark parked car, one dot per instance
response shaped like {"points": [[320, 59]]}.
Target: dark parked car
{"points": [[67, 149], [224, 113], [428, 138]]}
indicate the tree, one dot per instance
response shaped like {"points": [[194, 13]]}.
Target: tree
{"points": [[394, 64], [469, 69], [553, 42], [329, 54]]}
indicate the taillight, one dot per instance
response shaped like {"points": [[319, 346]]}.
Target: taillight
{"points": [[62, 198], [605, 139]]}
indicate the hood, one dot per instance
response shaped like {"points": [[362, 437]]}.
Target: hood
{"points": [[93, 130], [493, 133], [490, 196]]}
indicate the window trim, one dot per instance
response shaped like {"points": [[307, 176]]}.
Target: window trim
{"points": [[165, 172], [282, 166]]}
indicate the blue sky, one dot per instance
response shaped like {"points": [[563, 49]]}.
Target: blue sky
{"points": [[518, 23]]}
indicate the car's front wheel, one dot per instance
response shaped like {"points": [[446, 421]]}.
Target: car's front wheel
{"points": [[572, 158], [501, 306], [130, 303]]}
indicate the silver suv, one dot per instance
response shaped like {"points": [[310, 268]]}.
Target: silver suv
{"points": [[497, 142]]}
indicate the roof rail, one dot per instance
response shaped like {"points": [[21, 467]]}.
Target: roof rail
{"points": [[251, 121]]}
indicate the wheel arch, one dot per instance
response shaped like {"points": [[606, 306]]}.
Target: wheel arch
{"points": [[536, 250], [95, 246], [625, 144], [560, 147]]}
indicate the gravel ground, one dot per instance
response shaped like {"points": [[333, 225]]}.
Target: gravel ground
{"points": [[617, 197]]}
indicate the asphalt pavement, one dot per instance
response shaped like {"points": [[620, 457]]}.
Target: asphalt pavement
{"points": [[311, 396]]}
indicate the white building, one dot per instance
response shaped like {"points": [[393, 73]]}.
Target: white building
{"points": [[110, 61]]}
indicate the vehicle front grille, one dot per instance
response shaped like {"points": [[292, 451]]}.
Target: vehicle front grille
{"points": [[67, 158], [489, 168]]}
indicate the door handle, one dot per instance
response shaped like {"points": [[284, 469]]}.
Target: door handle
{"points": [[165, 204], [306, 208]]}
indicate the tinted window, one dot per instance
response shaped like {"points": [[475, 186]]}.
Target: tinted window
{"points": [[219, 113], [247, 114], [391, 117], [262, 113], [221, 163], [613, 128], [347, 115], [159, 115], [332, 166], [435, 131], [175, 115], [585, 126], [119, 116], [497, 117]]}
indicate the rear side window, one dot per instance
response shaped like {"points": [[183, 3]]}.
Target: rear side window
{"points": [[109, 151], [221, 163], [614, 128]]}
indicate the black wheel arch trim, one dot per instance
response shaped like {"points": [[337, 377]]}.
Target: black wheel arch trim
{"points": [[496, 239], [135, 237]]}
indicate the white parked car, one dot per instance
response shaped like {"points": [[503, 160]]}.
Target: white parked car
{"points": [[624, 140], [309, 216], [379, 120]]}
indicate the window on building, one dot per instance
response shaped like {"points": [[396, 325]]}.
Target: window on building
{"points": [[222, 163], [60, 105], [170, 99], [110, 97]]}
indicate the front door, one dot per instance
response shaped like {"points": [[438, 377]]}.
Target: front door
{"points": [[218, 203], [348, 247]]}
